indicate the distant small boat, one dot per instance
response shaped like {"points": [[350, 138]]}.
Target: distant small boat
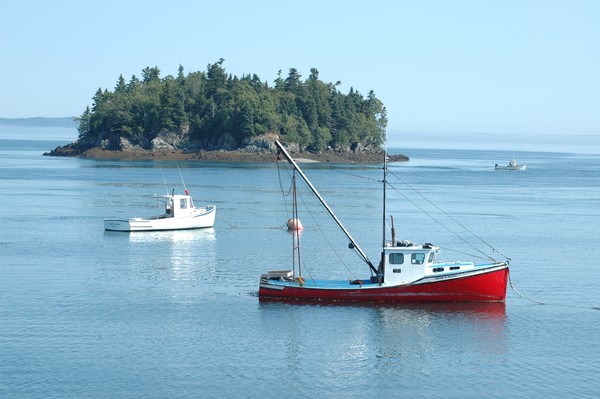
{"points": [[512, 165], [180, 214]]}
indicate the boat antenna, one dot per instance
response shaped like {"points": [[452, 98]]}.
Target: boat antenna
{"points": [[182, 182], [353, 244], [164, 181]]}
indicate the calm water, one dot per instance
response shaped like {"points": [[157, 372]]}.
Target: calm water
{"points": [[95, 314]]}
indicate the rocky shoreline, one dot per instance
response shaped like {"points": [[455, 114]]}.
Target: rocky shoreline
{"points": [[258, 156]]}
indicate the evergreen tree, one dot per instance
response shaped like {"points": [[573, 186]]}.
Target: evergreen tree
{"points": [[121, 86], [84, 123]]}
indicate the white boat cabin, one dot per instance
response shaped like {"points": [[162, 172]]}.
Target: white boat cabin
{"points": [[178, 206], [406, 262]]}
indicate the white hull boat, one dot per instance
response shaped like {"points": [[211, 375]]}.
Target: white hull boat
{"points": [[512, 165], [180, 214]]}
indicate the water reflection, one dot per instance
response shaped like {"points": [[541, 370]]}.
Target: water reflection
{"points": [[176, 237], [427, 328], [184, 257], [395, 340], [491, 309]]}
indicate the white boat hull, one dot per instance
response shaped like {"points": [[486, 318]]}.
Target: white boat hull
{"points": [[519, 167], [512, 165], [201, 218]]}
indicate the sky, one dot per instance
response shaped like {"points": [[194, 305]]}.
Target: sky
{"points": [[506, 67]]}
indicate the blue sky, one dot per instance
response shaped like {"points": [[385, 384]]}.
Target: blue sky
{"points": [[439, 66]]}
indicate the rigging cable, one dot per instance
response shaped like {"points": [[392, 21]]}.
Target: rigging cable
{"points": [[512, 286], [325, 237], [447, 215], [465, 253], [485, 256], [312, 215], [442, 224], [282, 189]]}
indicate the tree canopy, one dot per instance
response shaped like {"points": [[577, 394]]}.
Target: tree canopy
{"points": [[210, 105]]}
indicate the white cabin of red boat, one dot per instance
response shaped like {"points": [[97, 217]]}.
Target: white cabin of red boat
{"points": [[406, 261]]}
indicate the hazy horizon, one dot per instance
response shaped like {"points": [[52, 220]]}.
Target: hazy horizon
{"points": [[516, 67]]}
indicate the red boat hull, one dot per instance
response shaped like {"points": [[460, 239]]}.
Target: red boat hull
{"points": [[488, 286]]}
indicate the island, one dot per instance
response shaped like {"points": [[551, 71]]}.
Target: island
{"points": [[214, 116]]}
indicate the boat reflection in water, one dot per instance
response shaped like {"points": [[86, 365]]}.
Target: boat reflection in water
{"points": [[186, 257], [397, 340], [179, 238], [464, 310], [422, 323]]}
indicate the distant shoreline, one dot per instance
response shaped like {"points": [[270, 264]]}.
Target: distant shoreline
{"points": [[69, 122]]}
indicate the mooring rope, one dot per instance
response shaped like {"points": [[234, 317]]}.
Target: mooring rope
{"points": [[547, 303]]}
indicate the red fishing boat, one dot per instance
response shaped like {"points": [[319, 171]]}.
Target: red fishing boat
{"points": [[407, 272]]}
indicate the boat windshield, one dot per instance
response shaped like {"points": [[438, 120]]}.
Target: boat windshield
{"points": [[417, 258]]}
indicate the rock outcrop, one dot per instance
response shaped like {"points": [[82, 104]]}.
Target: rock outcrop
{"points": [[171, 146]]}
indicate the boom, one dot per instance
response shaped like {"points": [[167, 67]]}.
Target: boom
{"points": [[353, 243]]}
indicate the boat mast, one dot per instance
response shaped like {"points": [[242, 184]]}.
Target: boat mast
{"points": [[353, 243], [381, 264], [295, 232]]}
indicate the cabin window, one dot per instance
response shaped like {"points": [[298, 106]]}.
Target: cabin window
{"points": [[431, 257], [397, 270], [417, 258], [438, 269], [183, 203], [396, 258]]}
